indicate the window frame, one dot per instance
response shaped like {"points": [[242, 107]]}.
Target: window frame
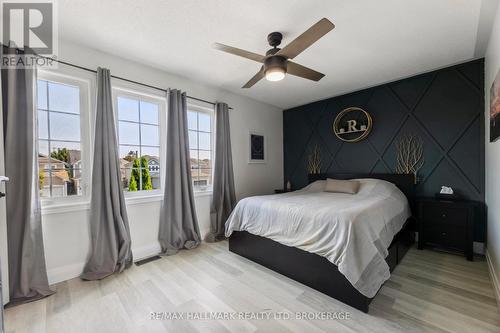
{"points": [[195, 107], [85, 85], [129, 90]]}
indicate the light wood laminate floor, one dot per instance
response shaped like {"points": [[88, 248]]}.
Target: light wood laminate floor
{"points": [[428, 292]]}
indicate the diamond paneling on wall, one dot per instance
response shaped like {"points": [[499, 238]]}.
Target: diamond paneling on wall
{"points": [[445, 108]]}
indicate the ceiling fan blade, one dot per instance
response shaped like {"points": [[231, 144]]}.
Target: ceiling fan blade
{"points": [[309, 37], [239, 52], [304, 72], [256, 78]]}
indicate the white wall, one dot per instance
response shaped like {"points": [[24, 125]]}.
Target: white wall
{"points": [[492, 65], [66, 233]]}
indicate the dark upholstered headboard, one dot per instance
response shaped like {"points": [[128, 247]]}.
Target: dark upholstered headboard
{"points": [[405, 182]]}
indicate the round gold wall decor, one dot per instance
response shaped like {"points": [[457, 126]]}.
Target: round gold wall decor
{"points": [[352, 124]]}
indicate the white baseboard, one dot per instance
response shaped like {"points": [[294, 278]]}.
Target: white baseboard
{"points": [[64, 273], [146, 251], [494, 278], [68, 272]]}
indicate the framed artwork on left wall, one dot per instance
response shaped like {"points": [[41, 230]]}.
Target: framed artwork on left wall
{"points": [[256, 147], [495, 108]]}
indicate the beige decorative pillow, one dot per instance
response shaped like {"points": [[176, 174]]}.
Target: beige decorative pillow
{"points": [[342, 186]]}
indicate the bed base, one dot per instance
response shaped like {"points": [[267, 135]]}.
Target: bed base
{"points": [[311, 269]]}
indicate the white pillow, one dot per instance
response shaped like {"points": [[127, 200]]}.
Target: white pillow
{"points": [[317, 186], [342, 186]]}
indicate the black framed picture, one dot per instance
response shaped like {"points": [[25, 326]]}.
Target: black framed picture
{"points": [[495, 108], [257, 148]]}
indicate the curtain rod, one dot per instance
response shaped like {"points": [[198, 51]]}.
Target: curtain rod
{"points": [[130, 81]]}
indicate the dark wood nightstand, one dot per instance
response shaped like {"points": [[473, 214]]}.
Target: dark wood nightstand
{"points": [[278, 191], [447, 224]]}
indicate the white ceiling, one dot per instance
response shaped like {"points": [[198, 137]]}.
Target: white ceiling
{"points": [[373, 42]]}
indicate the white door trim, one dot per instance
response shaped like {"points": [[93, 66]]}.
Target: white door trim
{"points": [[3, 222]]}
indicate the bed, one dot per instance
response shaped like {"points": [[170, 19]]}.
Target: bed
{"points": [[344, 246]]}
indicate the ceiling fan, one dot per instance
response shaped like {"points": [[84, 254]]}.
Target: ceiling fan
{"points": [[276, 62]]}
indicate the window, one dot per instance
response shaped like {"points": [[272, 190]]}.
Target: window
{"points": [[200, 145], [139, 140], [59, 136]]}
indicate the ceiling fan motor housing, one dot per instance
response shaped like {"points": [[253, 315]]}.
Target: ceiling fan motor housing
{"points": [[275, 62]]}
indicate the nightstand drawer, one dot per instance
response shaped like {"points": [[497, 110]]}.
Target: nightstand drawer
{"points": [[440, 214], [448, 224], [453, 237]]}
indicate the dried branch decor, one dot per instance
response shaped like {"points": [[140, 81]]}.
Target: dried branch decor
{"points": [[410, 155], [314, 161]]}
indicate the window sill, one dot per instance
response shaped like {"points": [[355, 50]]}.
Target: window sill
{"points": [[142, 199], [203, 193], [49, 208]]}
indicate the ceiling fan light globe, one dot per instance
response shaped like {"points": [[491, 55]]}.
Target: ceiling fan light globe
{"points": [[275, 68], [275, 74]]}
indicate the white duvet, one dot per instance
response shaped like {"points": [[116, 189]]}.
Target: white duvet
{"points": [[352, 231]]}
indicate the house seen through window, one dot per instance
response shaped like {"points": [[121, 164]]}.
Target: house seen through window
{"points": [[200, 145], [59, 139], [139, 141]]}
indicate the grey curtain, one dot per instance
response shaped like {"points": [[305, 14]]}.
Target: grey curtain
{"points": [[110, 235], [178, 223], [27, 271], [223, 199]]}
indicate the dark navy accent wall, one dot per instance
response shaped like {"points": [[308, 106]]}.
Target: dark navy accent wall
{"points": [[445, 108]]}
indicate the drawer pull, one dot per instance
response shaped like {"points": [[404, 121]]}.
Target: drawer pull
{"points": [[443, 215]]}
